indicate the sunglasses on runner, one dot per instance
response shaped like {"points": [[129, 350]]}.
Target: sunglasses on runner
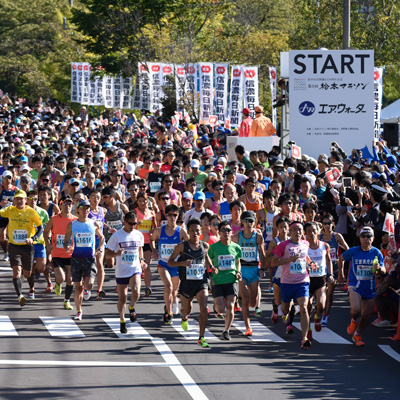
{"points": [[131, 223], [172, 215], [164, 198], [226, 230], [366, 236], [327, 223]]}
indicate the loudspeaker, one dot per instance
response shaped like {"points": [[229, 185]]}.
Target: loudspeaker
{"points": [[391, 133]]}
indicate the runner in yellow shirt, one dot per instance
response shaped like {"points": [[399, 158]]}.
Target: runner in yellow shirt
{"points": [[22, 233]]}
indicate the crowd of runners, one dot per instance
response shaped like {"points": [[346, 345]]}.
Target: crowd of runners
{"points": [[80, 194]]}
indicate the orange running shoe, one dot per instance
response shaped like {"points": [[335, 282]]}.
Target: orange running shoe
{"points": [[352, 327], [249, 332], [357, 340]]}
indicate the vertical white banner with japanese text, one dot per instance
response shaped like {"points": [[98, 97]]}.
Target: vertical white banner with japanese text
{"points": [[272, 84], [126, 99], [144, 86], [236, 98], [136, 94], [108, 91], [99, 90], [155, 84], [166, 70], [206, 91], [180, 83], [85, 83], [250, 88], [378, 92], [221, 91], [117, 92], [75, 87], [331, 99]]}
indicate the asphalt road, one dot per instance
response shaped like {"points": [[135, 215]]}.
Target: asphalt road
{"points": [[44, 354]]}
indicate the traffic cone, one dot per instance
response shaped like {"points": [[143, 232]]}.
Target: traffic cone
{"points": [[396, 337]]}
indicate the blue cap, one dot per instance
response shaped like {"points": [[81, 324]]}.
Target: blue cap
{"points": [[205, 138], [199, 196], [376, 175], [24, 158], [74, 180], [83, 203], [107, 144]]}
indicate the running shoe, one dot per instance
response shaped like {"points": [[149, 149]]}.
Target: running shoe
{"points": [[305, 344], [226, 335], [147, 292], [185, 324], [165, 318], [169, 319], [317, 324], [258, 312], [123, 328], [384, 323], [67, 305], [87, 294], [289, 330], [22, 300], [271, 290], [58, 289], [274, 317], [49, 287], [296, 309], [100, 295], [249, 332], [309, 335], [285, 318], [6, 257], [357, 340], [324, 321], [31, 296], [202, 342], [78, 316], [237, 308], [218, 315], [132, 314], [352, 327], [208, 311], [175, 308]]}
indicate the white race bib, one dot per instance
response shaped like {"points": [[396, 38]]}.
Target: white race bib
{"points": [[226, 262], [117, 225], [129, 257], [364, 272], [60, 241], [298, 267], [318, 272], [166, 250], [226, 217], [84, 240], [333, 254], [249, 254], [195, 272], [268, 229], [20, 235], [198, 187], [154, 186], [163, 223]]}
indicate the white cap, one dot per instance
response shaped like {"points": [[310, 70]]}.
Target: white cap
{"points": [[222, 159], [195, 164], [80, 161], [7, 174], [101, 154], [130, 169]]}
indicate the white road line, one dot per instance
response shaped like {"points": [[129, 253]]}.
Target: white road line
{"points": [[193, 332], [135, 330], [325, 335], [7, 327], [260, 332], [84, 363], [5, 269], [390, 352], [64, 327], [184, 378]]}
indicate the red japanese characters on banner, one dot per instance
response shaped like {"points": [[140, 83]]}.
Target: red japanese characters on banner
{"points": [[212, 120], [295, 152], [178, 115], [388, 225], [333, 175], [227, 124], [208, 151], [173, 121]]}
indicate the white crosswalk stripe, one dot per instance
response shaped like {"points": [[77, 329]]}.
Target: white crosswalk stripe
{"points": [[7, 327], [135, 330], [325, 335], [260, 332], [62, 327], [193, 332]]}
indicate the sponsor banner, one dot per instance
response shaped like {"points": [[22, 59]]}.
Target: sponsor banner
{"points": [[75, 87], [250, 88], [180, 84], [99, 91], [206, 90], [144, 86], [331, 99], [378, 92], [92, 89], [155, 85], [108, 91], [117, 91], [236, 97], [295, 152], [85, 83], [221, 91], [166, 70], [272, 84], [333, 175], [126, 93], [136, 94]]}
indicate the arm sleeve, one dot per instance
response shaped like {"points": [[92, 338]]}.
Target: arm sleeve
{"points": [[39, 231]]}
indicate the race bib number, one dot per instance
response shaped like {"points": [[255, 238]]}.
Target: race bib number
{"points": [[166, 250], [226, 263], [318, 272], [268, 229], [155, 186], [198, 187], [84, 240], [145, 226], [117, 225], [195, 272], [60, 241], [129, 257], [226, 217], [333, 254], [298, 267], [163, 223], [249, 254], [364, 272], [20, 235]]}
